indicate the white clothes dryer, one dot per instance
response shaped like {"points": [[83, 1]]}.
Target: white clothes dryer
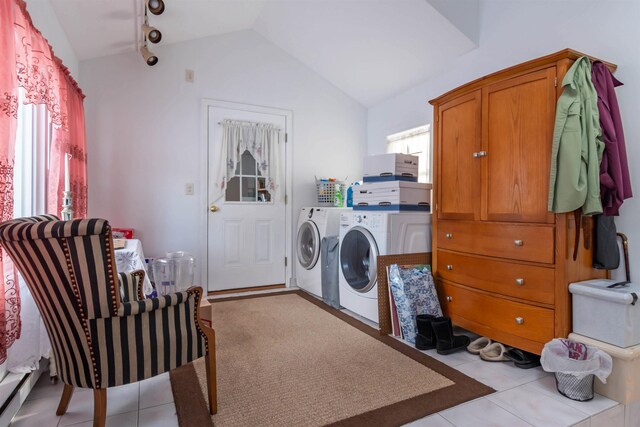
{"points": [[363, 236], [314, 223]]}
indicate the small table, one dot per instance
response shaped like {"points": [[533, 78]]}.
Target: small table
{"points": [[131, 258]]}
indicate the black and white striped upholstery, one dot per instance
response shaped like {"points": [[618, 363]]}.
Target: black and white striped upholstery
{"points": [[99, 339], [131, 285]]}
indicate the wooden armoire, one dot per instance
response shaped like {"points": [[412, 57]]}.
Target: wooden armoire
{"points": [[502, 262]]}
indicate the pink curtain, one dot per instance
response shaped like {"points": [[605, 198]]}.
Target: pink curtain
{"points": [[45, 81], [9, 297], [69, 139]]}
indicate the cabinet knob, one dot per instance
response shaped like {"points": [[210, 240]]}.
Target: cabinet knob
{"points": [[519, 281], [449, 267], [449, 299], [519, 320], [448, 236], [518, 242], [482, 154]]}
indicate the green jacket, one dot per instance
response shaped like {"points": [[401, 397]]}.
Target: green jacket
{"points": [[577, 145]]}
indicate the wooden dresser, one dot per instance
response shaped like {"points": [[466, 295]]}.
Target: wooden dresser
{"points": [[502, 262]]}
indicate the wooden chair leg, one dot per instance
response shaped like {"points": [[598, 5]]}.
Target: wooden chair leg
{"points": [[67, 392], [99, 407], [212, 386]]}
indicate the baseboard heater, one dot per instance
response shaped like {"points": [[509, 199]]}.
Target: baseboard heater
{"points": [[17, 395]]}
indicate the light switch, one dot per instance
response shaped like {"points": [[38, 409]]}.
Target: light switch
{"points": [[188, 188], [189, 76]]}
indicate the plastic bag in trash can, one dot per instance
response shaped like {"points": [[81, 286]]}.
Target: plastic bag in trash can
{"points": [[570, 357]]}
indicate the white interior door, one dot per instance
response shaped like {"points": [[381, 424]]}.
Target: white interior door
{"points": [[246, 239]]}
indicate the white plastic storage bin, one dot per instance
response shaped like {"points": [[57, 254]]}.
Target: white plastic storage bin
{"points": [[392, 195], [623, 385], [389, 167], [611, 315]]}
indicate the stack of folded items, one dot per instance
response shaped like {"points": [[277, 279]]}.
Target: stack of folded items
{"points": [[391, 184]]}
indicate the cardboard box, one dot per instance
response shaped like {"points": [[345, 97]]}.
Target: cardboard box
{"points": [[393, 164], [392, 196]]}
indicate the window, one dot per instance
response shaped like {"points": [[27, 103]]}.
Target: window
{"points": [[247, 185], [416, 141], [33, 140]]}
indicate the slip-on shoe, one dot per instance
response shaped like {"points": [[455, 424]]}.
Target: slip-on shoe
{"points": [[494, 353]]}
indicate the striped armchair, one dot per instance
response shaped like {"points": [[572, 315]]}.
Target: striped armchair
{"points": [[100, 337]]}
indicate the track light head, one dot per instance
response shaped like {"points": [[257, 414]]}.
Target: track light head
{"points": [[151, 33], [155, 6], [150, 58]]}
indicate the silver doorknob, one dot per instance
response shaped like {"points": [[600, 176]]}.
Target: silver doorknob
{"points": [[213, 208], [449, 299], [519, 320], [448, 236], [518, 242], [519, 281], [449, 267]]}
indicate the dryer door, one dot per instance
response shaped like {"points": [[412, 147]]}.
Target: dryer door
{"points": [[308, 245], [358, 253]]}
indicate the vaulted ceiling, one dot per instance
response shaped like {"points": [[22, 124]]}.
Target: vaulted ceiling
{"points": [[370, 49]]}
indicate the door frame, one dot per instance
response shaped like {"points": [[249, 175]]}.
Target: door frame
{"points": [[205, 180]]}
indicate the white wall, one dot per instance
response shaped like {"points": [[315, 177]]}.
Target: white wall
{"points": [[144, 130], [44, 19], [515, 31]]}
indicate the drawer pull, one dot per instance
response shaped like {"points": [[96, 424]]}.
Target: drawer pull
{"points": [[519, 320], [518, 242], [449, 267], [448, 236], [519, 281], [449, 299]]}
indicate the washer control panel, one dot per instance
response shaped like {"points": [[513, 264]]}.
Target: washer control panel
{"points": [[369, 220]]}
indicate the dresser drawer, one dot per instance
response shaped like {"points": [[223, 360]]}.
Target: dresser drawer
{"points": [[533, 243], [513, 318], [528, 282]]}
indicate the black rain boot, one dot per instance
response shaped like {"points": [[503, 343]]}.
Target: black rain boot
{"points": [[426, 338], [446, 342]]}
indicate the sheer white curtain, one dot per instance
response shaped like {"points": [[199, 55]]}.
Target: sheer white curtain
{"points": [[261, 140], [33, 138]]}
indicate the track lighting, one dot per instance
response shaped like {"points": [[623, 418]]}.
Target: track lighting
{"points": [[155, 6], [151, 33], [149, 57]]}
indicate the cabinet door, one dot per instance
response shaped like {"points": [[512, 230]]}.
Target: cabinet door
{"points": [[518, 117], [458, 171]]}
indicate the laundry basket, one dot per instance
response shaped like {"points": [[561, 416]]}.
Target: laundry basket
{"points": [[326, 191]]}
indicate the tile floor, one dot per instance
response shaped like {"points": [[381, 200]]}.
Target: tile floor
{"points": [[522, 398]]}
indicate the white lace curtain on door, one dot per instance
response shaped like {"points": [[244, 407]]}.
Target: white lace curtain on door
{"points": [[261, 140]]}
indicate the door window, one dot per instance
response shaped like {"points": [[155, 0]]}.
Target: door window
{"points": [[248, 185], [358, 254], [308, 245]]}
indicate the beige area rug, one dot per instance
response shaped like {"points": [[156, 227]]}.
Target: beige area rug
{"points": [[287, 359]]}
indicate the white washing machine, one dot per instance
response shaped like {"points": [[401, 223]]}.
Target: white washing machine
{"points": [[314, 224], [363, 236]]}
